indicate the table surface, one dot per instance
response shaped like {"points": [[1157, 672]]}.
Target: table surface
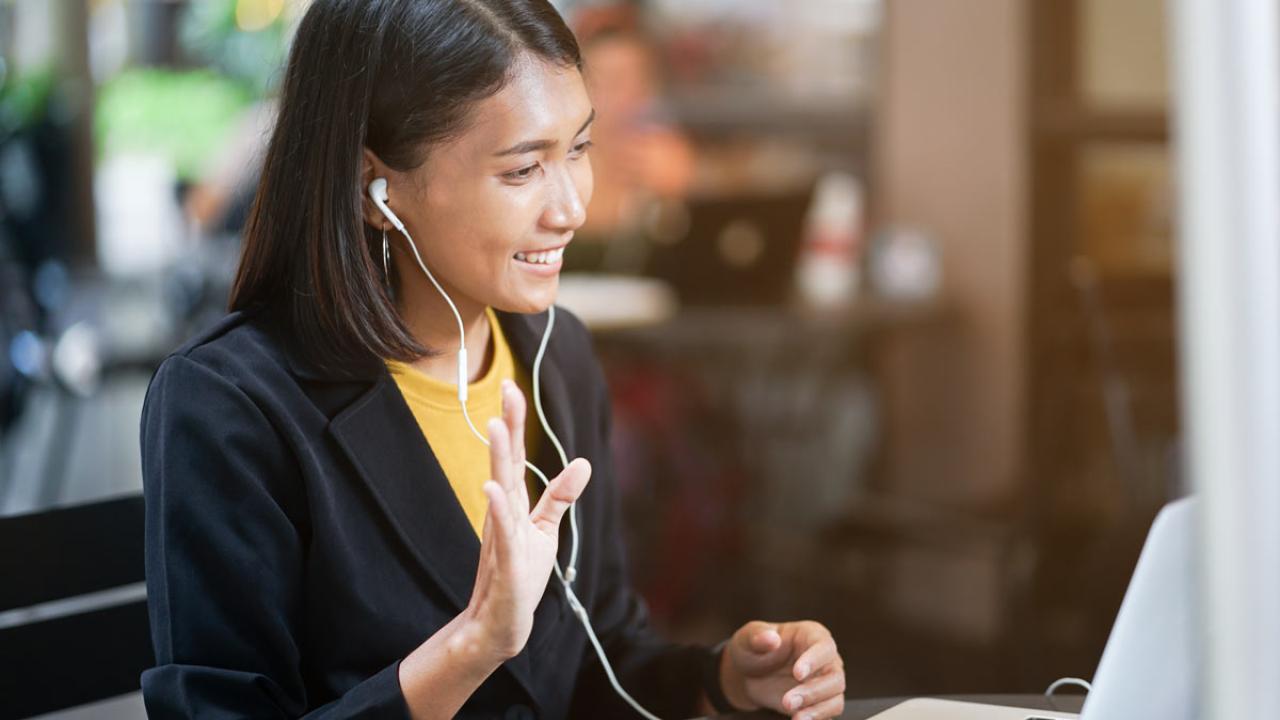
{"points": [[129, 707], [861, 709]]}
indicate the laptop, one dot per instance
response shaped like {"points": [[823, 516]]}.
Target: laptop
{"points": [[738, 250], [1150, 667]]}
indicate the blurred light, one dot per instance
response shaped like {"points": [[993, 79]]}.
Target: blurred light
{"points": [[140, 225], [19, 179], [52, 284], [741, 243], [254, 15], [77, 360], [26, 352], [905, 265]]}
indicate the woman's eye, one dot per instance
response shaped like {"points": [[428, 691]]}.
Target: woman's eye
{"points": [[523, 173]]}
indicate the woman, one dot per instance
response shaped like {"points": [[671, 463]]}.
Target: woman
{"points": [[324, 535]]}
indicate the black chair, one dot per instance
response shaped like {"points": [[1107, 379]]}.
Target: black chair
{"points": [[72, 656]]}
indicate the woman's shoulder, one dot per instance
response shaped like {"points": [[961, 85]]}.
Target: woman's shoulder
{"points": [[230, 379], [243, 347], [218, 425]]}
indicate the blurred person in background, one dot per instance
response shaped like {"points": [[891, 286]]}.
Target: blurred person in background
{"points": [[307, 552], [220, 199], [640, 155]]}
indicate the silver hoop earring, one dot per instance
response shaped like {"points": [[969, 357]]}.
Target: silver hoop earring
{"points": [[386, 257]]}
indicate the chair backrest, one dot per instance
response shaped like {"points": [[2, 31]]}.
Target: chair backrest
{"points": [[73, 612]]}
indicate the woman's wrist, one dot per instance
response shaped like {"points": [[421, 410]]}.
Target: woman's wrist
{"points": [[733, 684], [474, 640], [494, 644], [723, 690], [441, 673]]}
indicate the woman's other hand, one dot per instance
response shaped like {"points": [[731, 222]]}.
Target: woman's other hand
{"points": [[518, 546], [792, 668]]}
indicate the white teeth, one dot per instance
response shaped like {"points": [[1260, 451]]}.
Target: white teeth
{"points": [[548, 257]]}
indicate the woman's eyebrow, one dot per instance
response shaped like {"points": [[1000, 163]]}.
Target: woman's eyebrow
{"points": [[535, 145]]}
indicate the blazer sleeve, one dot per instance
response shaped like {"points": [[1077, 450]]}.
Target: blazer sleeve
{"points": [[663, 677], [224, 560]]}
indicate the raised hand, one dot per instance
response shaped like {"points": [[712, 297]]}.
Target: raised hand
{"points": [[518, 546]]}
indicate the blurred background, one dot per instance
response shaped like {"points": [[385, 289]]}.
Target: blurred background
{"points": [[884, 290]]}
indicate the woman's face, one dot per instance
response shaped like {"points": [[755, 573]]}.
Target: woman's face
{"points": [[492, 209]]}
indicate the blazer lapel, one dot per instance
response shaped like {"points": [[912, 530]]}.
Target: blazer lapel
{"points": [[382, 439]]}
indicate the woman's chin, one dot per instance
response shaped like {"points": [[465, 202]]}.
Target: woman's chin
{"points": [[532, 302]]}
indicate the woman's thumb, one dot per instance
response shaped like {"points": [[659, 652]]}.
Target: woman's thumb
{"points": [[561, 493], [755, 647], [763, 639]]}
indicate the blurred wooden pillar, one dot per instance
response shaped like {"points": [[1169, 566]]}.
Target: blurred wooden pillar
{"points": [[76, 95], [950, 159], [6, 39]]}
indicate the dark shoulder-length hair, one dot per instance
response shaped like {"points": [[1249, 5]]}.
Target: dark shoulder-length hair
{"points": [[394, 76]]}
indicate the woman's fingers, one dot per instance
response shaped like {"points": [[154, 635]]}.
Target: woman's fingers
{"points": [[504, 474], [561, 492], [499, 516], [499, 453], [513, 414], [819, 650], [830, 708], [816, 690]]}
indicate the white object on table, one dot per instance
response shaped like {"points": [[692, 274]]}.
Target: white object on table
{"points": [[611, 302]]}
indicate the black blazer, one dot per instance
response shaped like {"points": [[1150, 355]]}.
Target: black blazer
{"points": [[301, 539]]}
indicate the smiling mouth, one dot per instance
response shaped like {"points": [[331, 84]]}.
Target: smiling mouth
{"points": [[546, 257]]}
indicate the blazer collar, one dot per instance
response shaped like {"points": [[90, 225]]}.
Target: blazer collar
{"points": [[382, 439], [524, 334]]}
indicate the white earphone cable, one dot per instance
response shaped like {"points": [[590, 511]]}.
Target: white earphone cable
{"points": [[572, 572], [1053, 687], [566, 577]]}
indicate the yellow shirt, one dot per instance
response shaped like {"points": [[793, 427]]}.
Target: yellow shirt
{"points": [[464, 459]]}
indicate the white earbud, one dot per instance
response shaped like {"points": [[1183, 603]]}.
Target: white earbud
{"points": [[378, 193], [378, 189]]}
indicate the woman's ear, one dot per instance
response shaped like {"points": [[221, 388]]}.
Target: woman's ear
{"points": [[371, 167]]}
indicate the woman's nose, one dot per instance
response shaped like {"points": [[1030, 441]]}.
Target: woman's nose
{"points": [[565, 210]]}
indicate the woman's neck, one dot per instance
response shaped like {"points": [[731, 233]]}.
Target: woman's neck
{"points": [[433, 325]]}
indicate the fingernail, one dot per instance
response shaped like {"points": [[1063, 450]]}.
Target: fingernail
{"points": [[803, 669], [795, 701]]}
